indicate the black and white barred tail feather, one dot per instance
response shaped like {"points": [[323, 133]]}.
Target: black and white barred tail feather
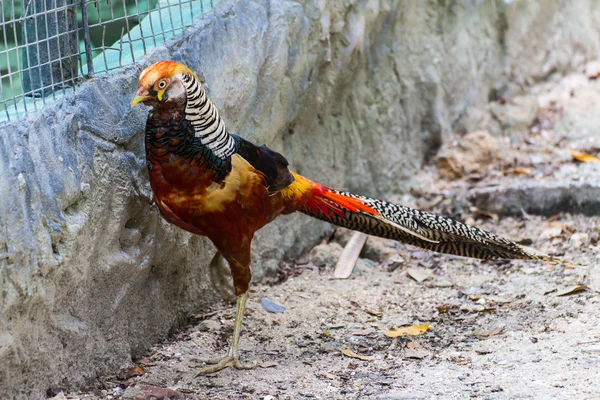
{"points": [[425, 230]]}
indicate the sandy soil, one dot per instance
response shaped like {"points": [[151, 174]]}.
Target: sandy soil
{"points": [[498, 330]]}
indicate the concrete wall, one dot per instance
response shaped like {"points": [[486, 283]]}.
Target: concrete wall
{"points": [[355, 93]]}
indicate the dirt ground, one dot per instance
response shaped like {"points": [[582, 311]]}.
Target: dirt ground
{"points": [[497, 330]]}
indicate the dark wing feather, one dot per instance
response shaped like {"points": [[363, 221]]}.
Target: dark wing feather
{"points": [[273, 165]]}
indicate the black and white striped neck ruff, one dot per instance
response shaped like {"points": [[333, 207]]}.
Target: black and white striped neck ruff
{"points": [[204, 117]]}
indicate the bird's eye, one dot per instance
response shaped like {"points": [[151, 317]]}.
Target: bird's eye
{"points": [[162, 84]]}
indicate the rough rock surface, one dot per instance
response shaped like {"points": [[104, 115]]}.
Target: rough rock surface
{"points": [[473, 152], [90, 273]]}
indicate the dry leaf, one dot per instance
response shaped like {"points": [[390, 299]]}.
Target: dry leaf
{"points": [[349, 256], [268, 364], [136, 370], [584, 157], [419, 274], [492, 332], [408, 331], [376, 313], [362, 332], [488, 214], [146, 362], [326, 375], [443, 309], [482, 351], [350, 353], [574, 289], [417, 354], [517, 171]]}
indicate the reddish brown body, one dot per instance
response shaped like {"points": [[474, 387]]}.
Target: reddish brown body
{"points": [[229, 212]]}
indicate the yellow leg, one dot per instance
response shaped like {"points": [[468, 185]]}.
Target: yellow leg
{"points": [[232, 359]]}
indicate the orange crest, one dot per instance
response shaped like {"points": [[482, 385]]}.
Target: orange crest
{"points": [[162, 69]]}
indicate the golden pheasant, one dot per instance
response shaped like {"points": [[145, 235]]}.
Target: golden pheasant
{"points": [[216, 184]]}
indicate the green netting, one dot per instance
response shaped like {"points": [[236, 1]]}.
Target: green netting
{"points": [[36, 65]]}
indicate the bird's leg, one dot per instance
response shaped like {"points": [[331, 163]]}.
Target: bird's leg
{"points": [[232, 359], [220, 277]]}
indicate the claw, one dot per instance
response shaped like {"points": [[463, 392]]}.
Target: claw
{"points": [[224, 362], [232, 359]]}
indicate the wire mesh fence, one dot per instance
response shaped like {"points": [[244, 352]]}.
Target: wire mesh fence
{"points": [[47, 47]]}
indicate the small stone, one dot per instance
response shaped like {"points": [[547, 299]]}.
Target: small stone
{"points": [[592, 69], [59, 396], [443, 281], [394, 262], [148, 392], [517, 115], [209, 325], [591, 349], [579, 239], [270, 306], [379, 250], [473, 152], [325, 254]]}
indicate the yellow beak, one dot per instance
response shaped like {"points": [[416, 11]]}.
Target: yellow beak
{"points": [[138, 99]]}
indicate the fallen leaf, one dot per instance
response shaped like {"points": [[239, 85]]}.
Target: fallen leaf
{"points": [[326, 375], [443, 309], [488, 214], [362, 332], [417, 354], [145, 362], [584, 157], [350, 353], [419, 274], [478, 308], [349, 256], [574, 289], [408, 331], [376, 313], [492, 332], [268, 364], [517, 171], [482, 351], [136, 370]]}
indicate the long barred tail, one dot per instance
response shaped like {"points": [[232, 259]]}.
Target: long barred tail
{"points": [[407, 225]]}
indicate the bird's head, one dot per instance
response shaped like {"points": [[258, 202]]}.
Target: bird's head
{"points": [[161, 83]]}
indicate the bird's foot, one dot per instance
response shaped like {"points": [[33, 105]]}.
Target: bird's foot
{"points": [[227, 361]]}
